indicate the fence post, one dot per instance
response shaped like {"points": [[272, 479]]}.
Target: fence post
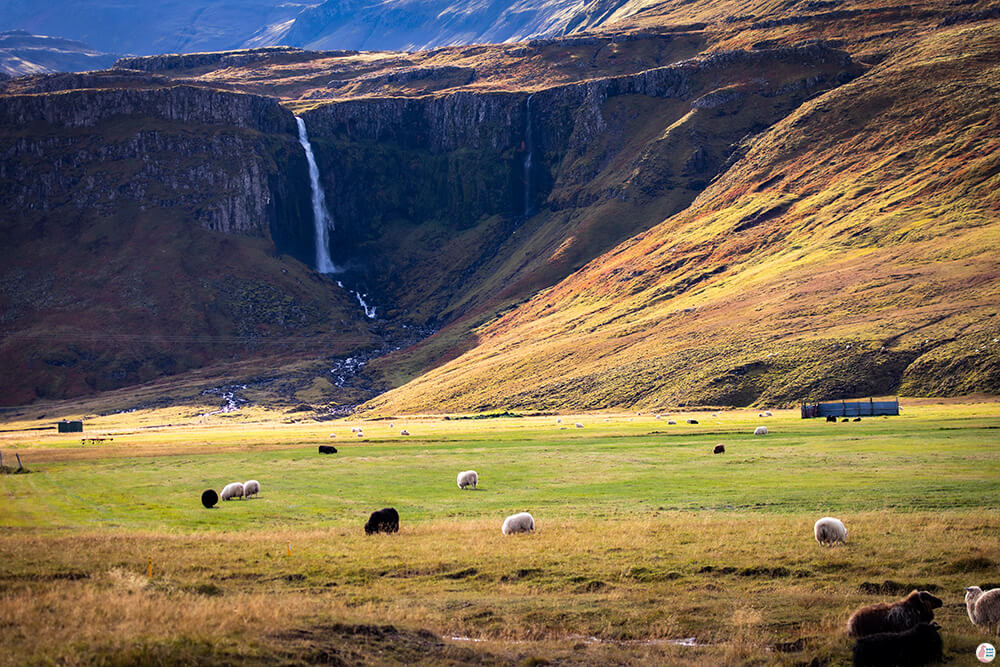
{"points": [[19, 466]]}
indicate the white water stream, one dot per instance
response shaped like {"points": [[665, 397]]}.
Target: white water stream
{"points": [[321, 216]]}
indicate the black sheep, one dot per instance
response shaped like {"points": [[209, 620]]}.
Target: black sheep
{"points": [[919, 645], [719, 449], [385, 520]]}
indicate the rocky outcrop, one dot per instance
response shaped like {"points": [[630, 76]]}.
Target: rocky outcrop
{"points": [[231, 162], [219, 59]]}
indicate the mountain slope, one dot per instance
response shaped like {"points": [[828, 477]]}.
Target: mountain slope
{"points": [[22, 53], [852, 250]]}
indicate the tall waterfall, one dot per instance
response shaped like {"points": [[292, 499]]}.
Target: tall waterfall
{"points": [[321, 216], [527, 156]]}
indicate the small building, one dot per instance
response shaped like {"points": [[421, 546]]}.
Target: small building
{"points": [[868, 408], [70, 426]]}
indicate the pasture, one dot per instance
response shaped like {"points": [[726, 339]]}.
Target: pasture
{"points": [[648, 547]]}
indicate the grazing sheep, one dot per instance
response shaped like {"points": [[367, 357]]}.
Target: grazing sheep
{"points": [[767, 413], [829, 531], [355, 429], [760, 430], [857, 419], [719, 449], [760, 414], [845, 419], [918, 645], [692, 421], [209, 498], [230, 491], [518, 523], [404, 432], [467, 478], [579, 425], [559, 420], [917, 607], [392, 425], [671, 422], [659, 417], [333, 435], [360, 434], [831, 418], [327, 449], [385, 520], [983, 607], [251, 488]]}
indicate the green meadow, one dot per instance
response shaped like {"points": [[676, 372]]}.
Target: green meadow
{"points": [[648, 548]]}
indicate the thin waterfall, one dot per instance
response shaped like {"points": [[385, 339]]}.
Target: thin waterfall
{"points": [[527, 156], [321, 216]]}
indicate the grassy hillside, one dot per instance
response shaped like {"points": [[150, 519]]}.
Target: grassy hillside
{"points": [[850, 250], [643, 537]]}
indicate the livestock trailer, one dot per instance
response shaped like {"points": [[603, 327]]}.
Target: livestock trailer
{"points": [[869, 408]]}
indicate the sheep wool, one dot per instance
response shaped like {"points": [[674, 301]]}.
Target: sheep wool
{"points": [[230, 491], [760, 430], [521, 522], [251, 488], [917, 607], [983, 607], [918, 645], [829, 531], [468, 478]]}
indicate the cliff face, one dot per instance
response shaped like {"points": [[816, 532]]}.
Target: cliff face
{"points": [[229, 161], [440, 185]]}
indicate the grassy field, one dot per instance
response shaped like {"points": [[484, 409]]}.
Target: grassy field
{"points": [[648, 548]]}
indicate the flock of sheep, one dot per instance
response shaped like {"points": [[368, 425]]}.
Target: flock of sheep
{"points": [[897, 633], [903, 632], [386, 520]]}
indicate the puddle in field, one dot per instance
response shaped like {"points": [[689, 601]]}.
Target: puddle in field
{"points": [[686, 641]]}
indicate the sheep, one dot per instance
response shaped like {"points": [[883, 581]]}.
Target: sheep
{"points": [[719, 449], [579, 425], [857, 419], [559, 420], [831, 418], [360, 434], [327, 449], [404, 432], [917, 607], [230, 491], [385, 520], [829, 531], [983, 607], [692, 421], [209, 498], [918, 645], [392, 425], [767, 413], [760, 430], [333, 435], [468, 478], [671, 422], [251, 488], [521, 522], [355, 429]]}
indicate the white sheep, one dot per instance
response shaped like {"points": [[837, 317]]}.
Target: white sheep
{"points": [[983, 608], [333, 435], [767, 413], [230, 491], [760, 430], [251, 488], [391, 425], [829, 531], [521, 522], [468, 478], [355, 429], [360, 434], [671, 422], [404, 432], [579, 425], [559, 420]]}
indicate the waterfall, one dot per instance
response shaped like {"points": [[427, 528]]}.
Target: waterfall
{"points": [[321, 216], [527, 156]]}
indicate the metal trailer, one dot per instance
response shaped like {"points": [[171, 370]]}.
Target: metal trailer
{"points": [[869, 408]]}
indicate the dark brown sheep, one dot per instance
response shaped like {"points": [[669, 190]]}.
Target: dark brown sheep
{"points": [[918, 645], [917, 607], [719, 449]]}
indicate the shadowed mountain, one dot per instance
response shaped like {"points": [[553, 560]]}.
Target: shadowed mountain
{"points": [[23, 53]]}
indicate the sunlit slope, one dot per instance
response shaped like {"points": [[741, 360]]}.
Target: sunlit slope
{"points": [[851, 250]]}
